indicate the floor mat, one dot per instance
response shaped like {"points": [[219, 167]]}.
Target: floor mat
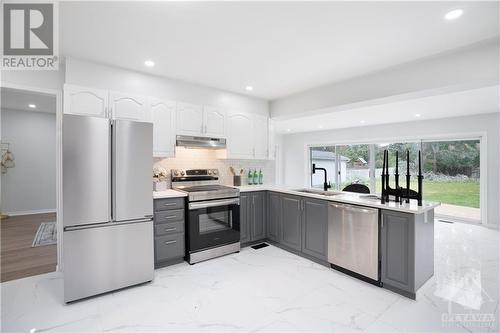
{"points": [[45, 235]]}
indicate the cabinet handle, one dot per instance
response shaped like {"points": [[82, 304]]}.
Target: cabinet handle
{"points": [[382, 222], [170, 204], [170, 242], [170, 217], [170, 229]]}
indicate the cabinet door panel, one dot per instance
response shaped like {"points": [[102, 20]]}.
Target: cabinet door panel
{"points": [[273, 219], [244, 221], [130, 107], [396, 243], [261, 136], [240, 136], [163, 114], [214, 122], [189, 119], [258, 216], [315, 228], [291, 221], [85, 101]]}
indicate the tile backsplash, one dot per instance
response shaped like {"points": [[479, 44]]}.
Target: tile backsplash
{"points": [[206, 159]]}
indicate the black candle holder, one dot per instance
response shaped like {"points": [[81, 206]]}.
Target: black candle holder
{"points": [[399, 193]]}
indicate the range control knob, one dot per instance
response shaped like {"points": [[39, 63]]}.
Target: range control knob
{"points": [[182, 173], [215, 171], [176, 173], [209, 172]]}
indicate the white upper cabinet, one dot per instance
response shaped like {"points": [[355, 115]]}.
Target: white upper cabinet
{"points": [[85, 101], [247, 136], [260, 137], [214, 122], [272, 140], [189, 119], [163, 115], [240, 136], [129, 106]]}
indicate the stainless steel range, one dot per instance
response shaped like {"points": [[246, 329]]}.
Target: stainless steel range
{"points": [[213, 219]]}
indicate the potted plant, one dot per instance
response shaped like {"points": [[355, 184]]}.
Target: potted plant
{"points": [[159, 178]]}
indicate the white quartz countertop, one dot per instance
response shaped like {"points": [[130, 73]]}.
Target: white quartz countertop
{"points": [[348, 198], [168, 194]]}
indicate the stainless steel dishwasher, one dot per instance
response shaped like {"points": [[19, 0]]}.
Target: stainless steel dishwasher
{"points": [[353, 240]]}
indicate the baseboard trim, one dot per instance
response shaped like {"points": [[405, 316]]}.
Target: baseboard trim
{"points": [[30, 212]]}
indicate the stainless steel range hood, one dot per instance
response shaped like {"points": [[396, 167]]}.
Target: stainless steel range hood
{"points": [[200, 142]]}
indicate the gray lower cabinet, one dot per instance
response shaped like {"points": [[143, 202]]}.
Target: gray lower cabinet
{"points": [[291, 218], [169, 231], [252, 216], [244, 222], [407, 250], [315, 228], [396, 233], [273, 216]]}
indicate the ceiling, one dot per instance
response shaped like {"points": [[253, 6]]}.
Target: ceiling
{"points": [[14, 99], [469, 102], [279, 48]]}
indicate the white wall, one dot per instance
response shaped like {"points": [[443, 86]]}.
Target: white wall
{"points": [[30, 186], [295, 164], [90, 74], [36, 79], [471, 67]]}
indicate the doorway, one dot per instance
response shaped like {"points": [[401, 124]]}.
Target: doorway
{"points": [[28, 183]]}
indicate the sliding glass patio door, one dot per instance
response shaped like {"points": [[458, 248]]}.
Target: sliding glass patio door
{"points": [[451, 171]]}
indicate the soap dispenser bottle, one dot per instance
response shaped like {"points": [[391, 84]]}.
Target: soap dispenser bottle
{"points": [[255, 177], [261, 176], [250, 177]]}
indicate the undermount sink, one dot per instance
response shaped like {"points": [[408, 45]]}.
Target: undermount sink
{"points": [[370, 197], [319, 192]]}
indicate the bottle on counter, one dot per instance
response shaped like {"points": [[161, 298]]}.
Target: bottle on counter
{"points": [[250, 177], [255, 177], [261, 176]]}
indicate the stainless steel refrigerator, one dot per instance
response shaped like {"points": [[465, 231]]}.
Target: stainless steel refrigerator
{"points": [[107, 205]]}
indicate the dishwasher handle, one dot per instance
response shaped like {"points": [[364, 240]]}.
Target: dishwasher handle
{"points": [[355, 209]]}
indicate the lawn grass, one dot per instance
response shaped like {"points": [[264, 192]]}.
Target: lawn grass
{"points": [[464, 193]]}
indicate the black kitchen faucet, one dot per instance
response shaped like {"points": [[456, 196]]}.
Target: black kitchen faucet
{"points": [[326, 186]]}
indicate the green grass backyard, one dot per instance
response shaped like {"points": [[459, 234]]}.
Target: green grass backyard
{"points": [[464, 193]]}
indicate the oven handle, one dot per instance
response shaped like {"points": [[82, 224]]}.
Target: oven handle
{"points": [[213, 203]]}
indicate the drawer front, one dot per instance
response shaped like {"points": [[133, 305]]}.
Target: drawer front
{"points": [[169, 216], [169, 228], [169, 203], [169, 247]]}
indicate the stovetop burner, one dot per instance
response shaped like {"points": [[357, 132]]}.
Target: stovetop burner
{"points": [[201, 184]]}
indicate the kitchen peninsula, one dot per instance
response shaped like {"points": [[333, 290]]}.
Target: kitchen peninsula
{"points": [[300, 221]]}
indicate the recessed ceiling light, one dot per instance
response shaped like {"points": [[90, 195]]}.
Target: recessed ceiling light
{"points": [[288, 130], [32, 106], [362, 121], [248, 88], [149, 63], [453, 14], [320, 126], [418, 115]]}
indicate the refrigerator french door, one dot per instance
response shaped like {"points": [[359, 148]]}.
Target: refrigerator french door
{"points": [[107, 205]]}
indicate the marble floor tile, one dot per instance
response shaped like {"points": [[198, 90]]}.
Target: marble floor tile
{"points": [[271, 290]]}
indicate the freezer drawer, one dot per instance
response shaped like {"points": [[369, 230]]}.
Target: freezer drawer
{"points": [[353, 239], [105, 258]]}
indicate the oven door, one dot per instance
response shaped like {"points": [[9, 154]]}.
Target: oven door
{"points": [[213, 223]]}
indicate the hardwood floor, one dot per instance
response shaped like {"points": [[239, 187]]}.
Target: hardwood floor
{"points": [[18, 258]]}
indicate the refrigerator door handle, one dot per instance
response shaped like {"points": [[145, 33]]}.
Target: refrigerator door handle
{"points": [[105, 224]]}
